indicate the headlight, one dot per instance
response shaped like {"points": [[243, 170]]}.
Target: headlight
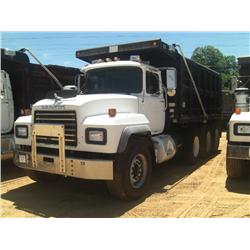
{"points": [[96, 136], [242, 129], [21, 131]]}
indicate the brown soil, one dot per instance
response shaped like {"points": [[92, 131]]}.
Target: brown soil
{"points": [[176, 190]]}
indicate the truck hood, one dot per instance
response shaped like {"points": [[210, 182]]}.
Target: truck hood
{"points": [[90, 105], [244, 117]]}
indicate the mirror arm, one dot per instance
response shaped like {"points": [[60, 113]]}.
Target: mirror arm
{"points": [[79, 82]]}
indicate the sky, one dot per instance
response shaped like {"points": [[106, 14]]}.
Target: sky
{"points": [[59, 47]]}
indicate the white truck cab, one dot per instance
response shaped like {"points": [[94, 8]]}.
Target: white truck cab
{"points": [[139, 80], [117, 100], [238, 135]]}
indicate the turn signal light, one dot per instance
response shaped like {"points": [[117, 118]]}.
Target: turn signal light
{"points": [[25, 111], [237, 111], [112, 112]]}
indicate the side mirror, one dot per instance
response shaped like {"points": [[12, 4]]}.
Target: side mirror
{"points": [[171, 81], [69, 87]]}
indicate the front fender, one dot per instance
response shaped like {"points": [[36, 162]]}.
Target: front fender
{"points": [[143, 130], [119, 129]]}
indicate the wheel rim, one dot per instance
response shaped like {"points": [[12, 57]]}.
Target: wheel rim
{"points": [[196, 146], [208, 142], [138, 171]]}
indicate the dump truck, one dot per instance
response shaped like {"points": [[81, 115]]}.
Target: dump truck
{"points": [[228, 95], [134, 106], [238, 134], [22, 84]]}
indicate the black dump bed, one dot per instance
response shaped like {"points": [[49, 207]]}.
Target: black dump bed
{"points": [[184, 105], [29, 82], [244, 63]]}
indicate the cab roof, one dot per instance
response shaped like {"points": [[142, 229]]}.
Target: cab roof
{"points": [[116, 64]]}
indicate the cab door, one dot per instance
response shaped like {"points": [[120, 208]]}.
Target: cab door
{"points": [[153, 102], [7, 104]]}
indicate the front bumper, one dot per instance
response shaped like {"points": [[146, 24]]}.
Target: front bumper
{"points": [[60, 163], [81, 168], [238, 152]]}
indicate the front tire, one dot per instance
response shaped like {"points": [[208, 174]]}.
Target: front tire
{"points": [[132, 171]]}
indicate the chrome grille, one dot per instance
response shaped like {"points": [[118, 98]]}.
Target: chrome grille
{"points": [[66, 118]]}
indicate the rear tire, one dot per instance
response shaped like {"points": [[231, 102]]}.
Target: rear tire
{"points": [[192, 147], [206, 148], [132, 171], [42, 177], [215, 140]]}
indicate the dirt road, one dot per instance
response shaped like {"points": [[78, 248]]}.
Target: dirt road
{"points": [[176, 190]]}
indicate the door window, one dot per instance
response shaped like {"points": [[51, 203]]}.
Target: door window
{"points": [[152, 83]]}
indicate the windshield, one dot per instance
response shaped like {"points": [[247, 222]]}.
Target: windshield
{"points": [[123, 80]]}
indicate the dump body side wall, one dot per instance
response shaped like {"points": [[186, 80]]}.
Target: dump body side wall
{"points": [[209, 88], [30, 83]]}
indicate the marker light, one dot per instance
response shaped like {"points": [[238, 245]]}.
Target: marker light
{"points": [[108, 59], [97, 61], [112, 112], [135, 58], [237, 111]]}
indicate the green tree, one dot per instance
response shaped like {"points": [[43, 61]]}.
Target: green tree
{"points": [[213, 58]]}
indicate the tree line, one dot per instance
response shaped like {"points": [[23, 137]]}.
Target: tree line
{"points": [[213, 58]]}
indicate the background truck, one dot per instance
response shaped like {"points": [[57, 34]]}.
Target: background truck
{"points": [[238, 135], [23, 84], [135, 105], [228, 95]]}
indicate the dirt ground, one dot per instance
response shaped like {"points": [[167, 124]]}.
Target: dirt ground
{"points": [[176, 190]]}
